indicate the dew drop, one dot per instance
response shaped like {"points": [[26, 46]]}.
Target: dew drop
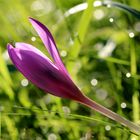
{"points": [[33, 38], [94, 82], [63, 53], [111, 20], [123, 105], [128, 75], [24, 82], [131, 34], [107, 127]]}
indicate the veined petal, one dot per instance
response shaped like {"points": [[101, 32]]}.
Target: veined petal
{"points": [[49, 43], [37, 68]]}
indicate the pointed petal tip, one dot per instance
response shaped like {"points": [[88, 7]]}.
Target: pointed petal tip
{"points": [[11, 51], [29, 17], [9, 46], [32, 20]]}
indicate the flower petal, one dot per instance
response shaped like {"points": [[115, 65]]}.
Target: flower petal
{"points": [[32, 63], [25, 46], [49, 43], [37, 68]]}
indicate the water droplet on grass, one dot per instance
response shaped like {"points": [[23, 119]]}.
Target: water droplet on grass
{"points": [[123, 105], [107, 127], [24, 82], [128, 75], [94, 82], [33, 38], [63, 53], [131, 34], [111, 19]]}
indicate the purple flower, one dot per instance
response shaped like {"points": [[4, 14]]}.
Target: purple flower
{"points": [[51, 76]]}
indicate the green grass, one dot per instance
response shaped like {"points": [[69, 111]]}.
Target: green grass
{"points": [[29, 113]]}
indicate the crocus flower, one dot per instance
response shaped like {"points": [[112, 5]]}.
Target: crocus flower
{"points": [[52, 76]]}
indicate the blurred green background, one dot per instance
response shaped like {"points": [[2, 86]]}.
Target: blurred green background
{"points": [[100, 46]]}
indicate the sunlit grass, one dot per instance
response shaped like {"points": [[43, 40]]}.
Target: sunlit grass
{"points": [[82, 36]]}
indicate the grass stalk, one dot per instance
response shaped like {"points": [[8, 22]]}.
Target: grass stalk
{"points": [[135, 100]]}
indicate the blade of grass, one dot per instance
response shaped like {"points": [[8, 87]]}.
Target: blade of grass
{"points": [[79, 39], [8, 26], [118, 90], [11, 127], [4, 70], [6, 87], [82, 29], [0, 123], [106, 3], [124, 7], [135, 97], [114, 60], [70, 115], [23, 97]]}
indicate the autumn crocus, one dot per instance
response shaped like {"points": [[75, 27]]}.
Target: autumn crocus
{"points": [[52, 76]]}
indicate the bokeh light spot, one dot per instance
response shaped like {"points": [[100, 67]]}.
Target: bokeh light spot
{"points": [[107, 127], [94, 82], [131, 34], [24, 82], [52, 136], [128, 75], [97, 3], [123, 105], [98, 14], [111, 19], [33, 38], [63, 53]]}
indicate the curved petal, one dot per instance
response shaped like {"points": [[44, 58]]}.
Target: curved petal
{"points": [[37, 68], [49, 43], [28, 47]]}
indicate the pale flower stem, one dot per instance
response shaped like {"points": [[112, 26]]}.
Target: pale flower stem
{"points": [[110, 114]]}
